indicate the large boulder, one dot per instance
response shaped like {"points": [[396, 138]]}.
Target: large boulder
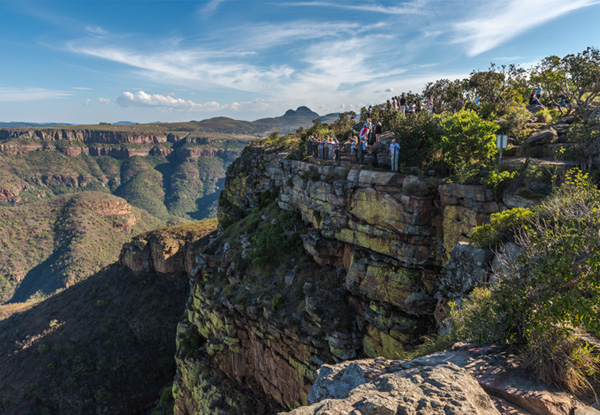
{"points": [[540, 138], [361, 388]]}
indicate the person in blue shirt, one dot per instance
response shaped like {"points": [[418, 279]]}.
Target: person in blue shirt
{"points": [[394, 154]]}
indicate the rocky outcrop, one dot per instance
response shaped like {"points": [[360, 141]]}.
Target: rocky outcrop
{"points": [[466, 379], [376, 387], [86, 135], [372, 274], [543, 137], [166, 252], [375, 243]]}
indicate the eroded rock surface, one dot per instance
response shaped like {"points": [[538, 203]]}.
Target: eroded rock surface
{"points": [[440, 389]]}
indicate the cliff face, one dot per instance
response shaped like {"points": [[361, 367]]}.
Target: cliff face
{"points": [[362, 284]]}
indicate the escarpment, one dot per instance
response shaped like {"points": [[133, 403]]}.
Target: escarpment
{"points": [[315, 264]]}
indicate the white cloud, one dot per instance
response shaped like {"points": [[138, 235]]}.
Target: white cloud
{"points": [[411, 7], [95, 30], [501, 21], [143, 99], [87, 102], [104, 100], [210, 8], [30, 94]]}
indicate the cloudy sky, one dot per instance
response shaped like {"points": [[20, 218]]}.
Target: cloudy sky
{"points": [[106, 61]]}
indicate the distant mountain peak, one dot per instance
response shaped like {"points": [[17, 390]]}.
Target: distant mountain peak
{"points": [[301, 112], [305, 109]]}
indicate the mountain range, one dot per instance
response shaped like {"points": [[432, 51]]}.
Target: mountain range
{"points": [[290, 121]]}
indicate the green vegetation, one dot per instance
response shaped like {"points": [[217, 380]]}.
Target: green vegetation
{"points": [[54, 243], [502, 227], [550, 292], [468, 142]]}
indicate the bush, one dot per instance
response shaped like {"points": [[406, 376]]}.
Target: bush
{"points": [[498, 181], [553, 290], [468, 143], [514, 124], [417, 135], [274, 240], [502, 226]]}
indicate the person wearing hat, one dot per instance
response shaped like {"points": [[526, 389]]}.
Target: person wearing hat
{"points": [[394, 154]]}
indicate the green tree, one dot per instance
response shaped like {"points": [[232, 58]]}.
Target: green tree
{"points": [[419, 136], [499, 87], [447, 95], [343, 125], [581, 82], [553, 79], [467, 142]]}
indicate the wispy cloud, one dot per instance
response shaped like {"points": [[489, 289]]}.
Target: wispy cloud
{"points": [[412, 7], [104, 100], [96, 30], [500, 21], [30, 94], [210, 68], [210, 8]]}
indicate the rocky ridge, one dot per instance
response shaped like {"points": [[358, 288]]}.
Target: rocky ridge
{"points": [[382, 238]]}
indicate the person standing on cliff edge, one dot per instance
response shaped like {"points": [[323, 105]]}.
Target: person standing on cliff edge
{"points": [[394, 154]]}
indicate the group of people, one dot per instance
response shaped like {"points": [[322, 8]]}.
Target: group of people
{"points": [[325, 148], [536, 95], [400, 103]]}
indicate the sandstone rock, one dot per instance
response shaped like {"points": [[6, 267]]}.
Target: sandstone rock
{"points": [[467, 268], [503, 265], [561, 128], [441, 389], [512, 200], [566, 120], [495, 369], [542, 137]]}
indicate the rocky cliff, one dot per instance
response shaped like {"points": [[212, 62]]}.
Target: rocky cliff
{"points": [[317, 276], [353, 269]]}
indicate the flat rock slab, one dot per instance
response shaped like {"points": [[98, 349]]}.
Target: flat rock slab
{"points": [[496, 370], [428, 390], [466, 379], [517, 163]]}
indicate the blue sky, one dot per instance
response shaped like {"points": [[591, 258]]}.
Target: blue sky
{"points": [[107, 61]]}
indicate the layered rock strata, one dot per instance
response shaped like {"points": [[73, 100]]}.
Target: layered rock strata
{"points": [[377, 242]]}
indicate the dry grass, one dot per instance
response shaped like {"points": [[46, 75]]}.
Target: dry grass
{"points": [[7, 310], [569, 363]]}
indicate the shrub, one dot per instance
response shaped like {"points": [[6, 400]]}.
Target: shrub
{"points": [[498, 181], [417, 135], [276, 302], [502, 225], [514, 124], [546, 116], [553, 291], [467, 142]]}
